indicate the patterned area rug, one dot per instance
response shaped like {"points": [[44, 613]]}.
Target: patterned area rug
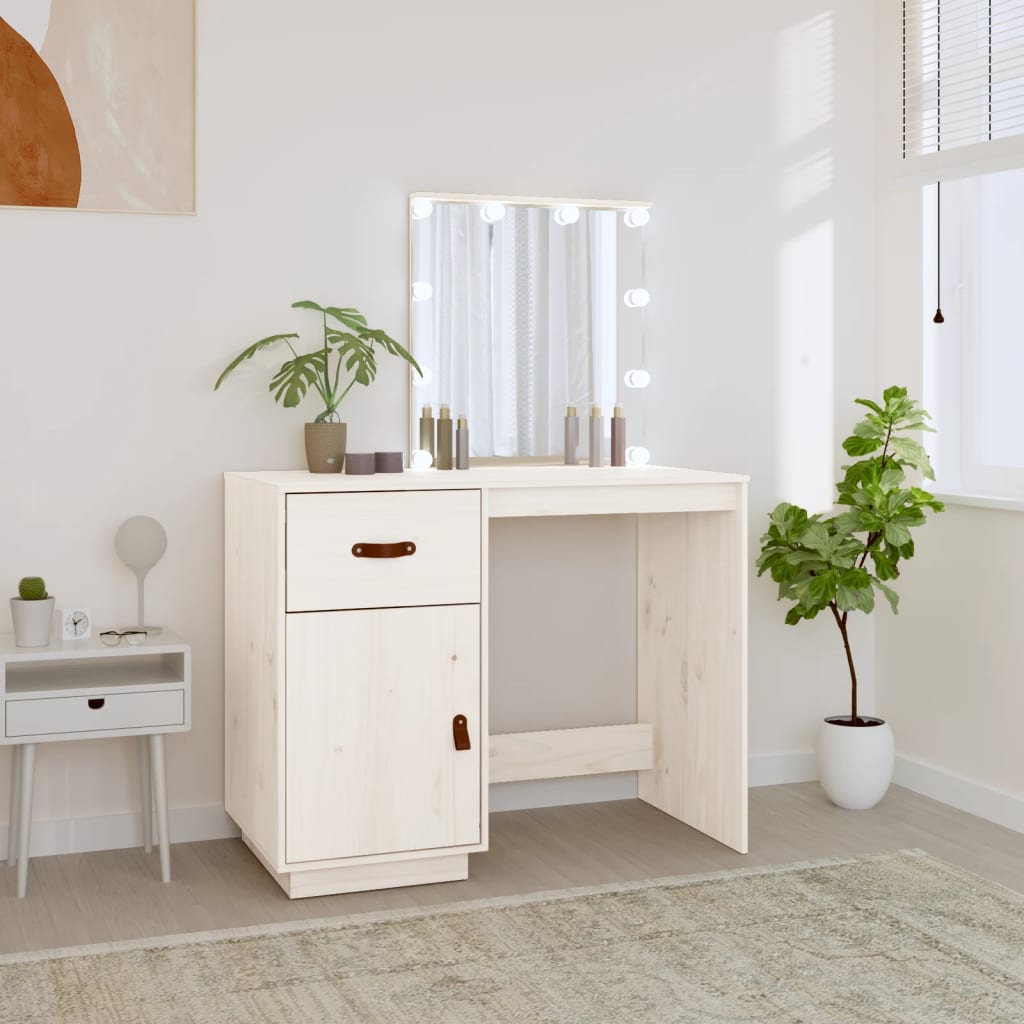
{"points": [[893, 938]]}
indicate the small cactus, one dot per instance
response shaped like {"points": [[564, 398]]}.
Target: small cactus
{"points": [[32, 588]]}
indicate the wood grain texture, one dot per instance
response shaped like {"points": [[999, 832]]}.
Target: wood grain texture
{"points": [[490, 478], [371, 762], [324, 574], [349, 878], [560, 753], [40, 164], [610, 499], [692, 667], [254, 650]]}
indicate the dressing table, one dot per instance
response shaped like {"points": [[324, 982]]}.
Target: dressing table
{"points": [[357, 749]]}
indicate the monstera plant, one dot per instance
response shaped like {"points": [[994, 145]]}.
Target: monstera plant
{"points": [[346, 356], [843, 563]]}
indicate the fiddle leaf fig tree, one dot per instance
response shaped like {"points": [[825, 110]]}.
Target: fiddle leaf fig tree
{"points": [[348, 356], [840, 563]]}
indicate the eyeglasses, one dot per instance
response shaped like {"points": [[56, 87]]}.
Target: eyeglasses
{"points": [[132, 637]]}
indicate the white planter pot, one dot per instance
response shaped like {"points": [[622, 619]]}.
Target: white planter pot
{"points": [[855, 763], [32, 621]]}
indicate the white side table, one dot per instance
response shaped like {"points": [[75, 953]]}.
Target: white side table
{"points": [[76, 690]]}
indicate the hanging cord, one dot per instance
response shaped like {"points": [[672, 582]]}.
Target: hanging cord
{"points": [[938, 318]]}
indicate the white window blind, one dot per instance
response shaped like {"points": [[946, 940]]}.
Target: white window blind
{"points": [[963, 85]]}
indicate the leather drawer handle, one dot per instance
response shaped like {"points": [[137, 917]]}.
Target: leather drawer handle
{"points": [[400, 549], [460, 732], [97, 702]]}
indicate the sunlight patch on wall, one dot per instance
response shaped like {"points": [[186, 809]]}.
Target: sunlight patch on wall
{"points": [[806, 179], [806, 57]]}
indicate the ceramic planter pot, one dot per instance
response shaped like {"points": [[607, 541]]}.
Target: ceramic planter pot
{"points": [[855, 763], [32, 620], [325, 447]]}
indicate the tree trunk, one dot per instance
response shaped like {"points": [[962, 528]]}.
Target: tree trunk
{"points": [[853, 671]]}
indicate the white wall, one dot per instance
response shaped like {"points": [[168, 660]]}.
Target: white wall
{"points": [[749, 125], [948, 667]]}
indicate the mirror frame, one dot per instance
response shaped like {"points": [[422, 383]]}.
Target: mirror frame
{"points": [[480, 198]]}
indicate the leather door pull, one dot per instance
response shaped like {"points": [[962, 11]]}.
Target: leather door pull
{"points": [[460, 732], [400, 549]]}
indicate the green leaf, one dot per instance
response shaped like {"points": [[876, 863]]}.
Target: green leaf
{"points": [[822, 588], [912, 453], [857, 446], [885, 567], [873, 406], [393, 348], [890, 595], [295, 377], [896, 534], [350, 318], [249, 353]]}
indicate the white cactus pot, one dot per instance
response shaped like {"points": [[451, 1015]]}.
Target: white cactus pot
{"points": [[855, 763], [32, 620]]}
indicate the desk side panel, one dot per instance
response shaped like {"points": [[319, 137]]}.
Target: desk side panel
{"points": [[254, 652], [692, 666]]}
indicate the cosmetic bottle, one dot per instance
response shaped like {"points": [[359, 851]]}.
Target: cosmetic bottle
{"points": [[427, 430], [572, 436], [618, 437], [596, 436], [462, 443], [443, 458]]}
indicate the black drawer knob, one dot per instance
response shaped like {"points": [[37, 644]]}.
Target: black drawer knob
{"points": [[97, 702]]}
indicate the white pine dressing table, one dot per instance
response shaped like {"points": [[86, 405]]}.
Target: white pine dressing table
{"points": [[357, 752]]}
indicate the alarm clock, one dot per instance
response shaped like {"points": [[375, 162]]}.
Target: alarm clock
{"points": [[75, 624]]}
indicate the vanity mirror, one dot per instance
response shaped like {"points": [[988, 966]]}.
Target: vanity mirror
{"points": [[521, 306]]}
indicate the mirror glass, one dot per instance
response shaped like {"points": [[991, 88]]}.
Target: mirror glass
{"points": [[521, 307]]}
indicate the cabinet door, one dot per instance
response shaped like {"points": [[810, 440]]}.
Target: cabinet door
{"points": [[371, 760]]}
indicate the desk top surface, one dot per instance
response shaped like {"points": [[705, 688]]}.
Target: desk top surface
{"points": [[488, 478]]}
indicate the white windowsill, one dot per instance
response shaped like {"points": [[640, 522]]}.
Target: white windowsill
{"points": [[981, 501]]}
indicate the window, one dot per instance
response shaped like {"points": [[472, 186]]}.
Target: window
{"points": [[974, 362]]}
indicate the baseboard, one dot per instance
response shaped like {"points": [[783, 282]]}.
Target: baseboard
{"points": [[195, 824], [778, 769], [986, 802], [121, 831]]}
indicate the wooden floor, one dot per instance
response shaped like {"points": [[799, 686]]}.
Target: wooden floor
{"points": [[99, 897]]}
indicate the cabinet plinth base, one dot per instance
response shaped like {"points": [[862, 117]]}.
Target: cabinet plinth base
{"points": [[363, 877]]}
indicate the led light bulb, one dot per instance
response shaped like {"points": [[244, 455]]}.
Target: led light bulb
{"points": [[636, 217], [421, 291], [421, 208], [492, 212], [427, 378], [421, 459], [636, 378], [565, 215], [636, 297], [637, 455]]}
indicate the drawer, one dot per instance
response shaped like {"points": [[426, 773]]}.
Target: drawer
{"points": [[330, 538], [46, 716]]}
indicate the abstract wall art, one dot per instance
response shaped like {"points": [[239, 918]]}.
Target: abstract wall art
{"points": [[97, 104]]}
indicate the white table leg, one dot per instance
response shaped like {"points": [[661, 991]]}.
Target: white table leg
{"points": [[12, 815], [146, 786], [156, 746], [28, 770]]}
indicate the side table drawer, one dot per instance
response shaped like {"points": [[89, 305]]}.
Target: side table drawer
{"points": [[109, 712]]}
